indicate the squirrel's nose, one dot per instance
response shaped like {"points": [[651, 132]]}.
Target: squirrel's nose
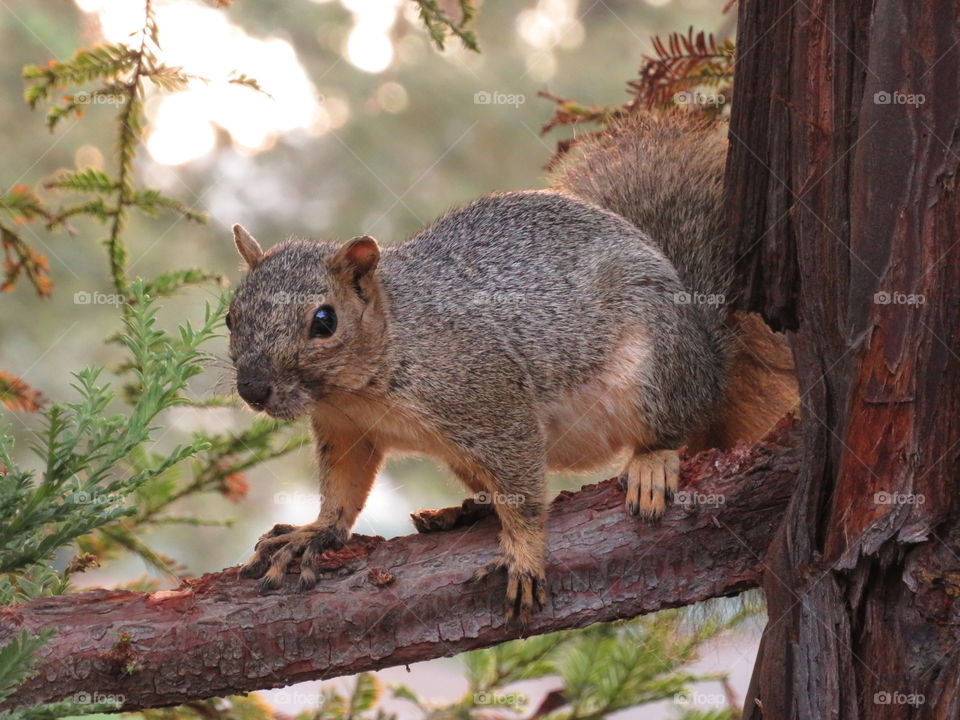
{"points": [[255, 393]]}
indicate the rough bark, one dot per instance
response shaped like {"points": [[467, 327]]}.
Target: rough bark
{"points": [[844, 211], [399, 601]]}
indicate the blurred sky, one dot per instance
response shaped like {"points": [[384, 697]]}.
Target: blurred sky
{"points": [[367, 129]]}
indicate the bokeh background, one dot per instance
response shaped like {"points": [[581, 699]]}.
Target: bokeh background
{"points": [[367, 129]]}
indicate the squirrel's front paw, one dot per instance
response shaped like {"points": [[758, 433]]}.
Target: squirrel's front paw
{"points": [[278, 547], [526, 588], [650, 480]]}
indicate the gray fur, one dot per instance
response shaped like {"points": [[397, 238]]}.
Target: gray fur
{"points": [[507, 304]]}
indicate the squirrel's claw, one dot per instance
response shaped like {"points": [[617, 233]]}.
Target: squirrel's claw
{"points": [[526, 594], [499, 562], [309, 563], [526, 589], [276, 531], [650, 480], [254, 568], [267, 545], [278, 548]]}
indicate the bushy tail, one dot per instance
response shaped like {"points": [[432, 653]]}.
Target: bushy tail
{"points": [[664, 173]]}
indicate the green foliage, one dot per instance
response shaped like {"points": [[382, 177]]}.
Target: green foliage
{"points": [[84, 449], [603, 668], [89, 453], [169, 283], [65, 708], [104, 62], [439, 23], [14, 657], [90, 181], [235, 707], [102, 486], [596, 671], [153, 201], [119, 72]]}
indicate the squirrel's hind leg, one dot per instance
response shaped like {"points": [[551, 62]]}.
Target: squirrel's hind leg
{"points": [[650, 480], [510, 469]]}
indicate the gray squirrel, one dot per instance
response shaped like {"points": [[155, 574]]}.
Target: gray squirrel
{"points": [[525, 332]]}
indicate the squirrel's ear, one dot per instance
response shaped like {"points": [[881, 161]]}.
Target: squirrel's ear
{"points": [[248, 248], [358, 257]]}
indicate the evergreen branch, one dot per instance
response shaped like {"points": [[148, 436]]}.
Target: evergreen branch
{"points": [[130, 128], [152, 202], [96, 209], [570, 112], [82, 446], [87, 65], [22, 205], [438, 23], [167, 77], [76, 706], [248, 82], [168, 283], [227, 456], [14, 659], [89, 180], [21, 259], [681, 62]]}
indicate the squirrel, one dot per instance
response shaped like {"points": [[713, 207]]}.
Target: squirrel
{"points": [[525, 332]]}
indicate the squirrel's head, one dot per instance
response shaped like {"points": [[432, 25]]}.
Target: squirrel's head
{"points": [[308, 320]]}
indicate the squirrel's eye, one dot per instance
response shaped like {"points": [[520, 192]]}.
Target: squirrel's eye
{"points": [[324, 322], [227, 320]]}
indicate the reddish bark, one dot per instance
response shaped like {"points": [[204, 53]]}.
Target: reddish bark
{"points": [[399, 601], [844, 210]]}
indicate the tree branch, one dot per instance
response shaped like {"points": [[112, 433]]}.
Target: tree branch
{"points": [[387, 603]]}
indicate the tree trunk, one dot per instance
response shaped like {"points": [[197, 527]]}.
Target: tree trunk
{"points": [[843, 208], [392, 602]]}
